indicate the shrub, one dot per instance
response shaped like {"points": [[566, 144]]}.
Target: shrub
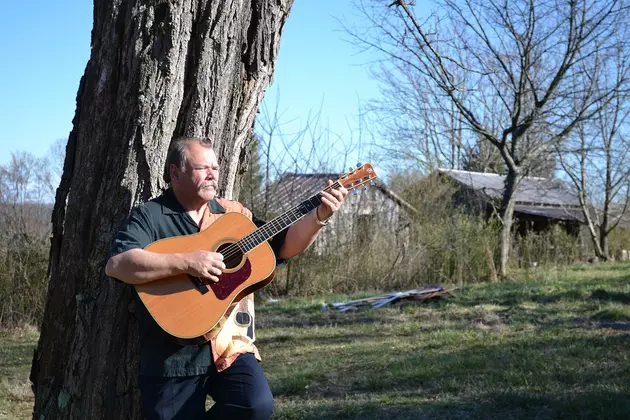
{"points": [[23, 281]]}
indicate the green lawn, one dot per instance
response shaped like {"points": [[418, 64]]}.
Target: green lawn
{"points": [[532, 350], [16, 355]]}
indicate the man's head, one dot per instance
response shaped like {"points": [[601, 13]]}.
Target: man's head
{"points": [[192, 170]]}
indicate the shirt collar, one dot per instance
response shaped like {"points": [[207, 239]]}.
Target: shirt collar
{"points": [[215, 206], [170, 205]]}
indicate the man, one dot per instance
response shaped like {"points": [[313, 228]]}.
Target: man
{"points": [[174, 379]]}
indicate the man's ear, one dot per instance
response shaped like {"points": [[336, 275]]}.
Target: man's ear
{"points": [[174, 172]]}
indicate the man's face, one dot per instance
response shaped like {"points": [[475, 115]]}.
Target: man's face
{"points": [[200, 178]]}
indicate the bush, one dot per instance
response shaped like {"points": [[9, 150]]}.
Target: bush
{"points": [[618, 241], [23, 281], [439, 244], [553, 247]]}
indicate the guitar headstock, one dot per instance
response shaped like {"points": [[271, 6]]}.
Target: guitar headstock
{"points": [[361, 175]]}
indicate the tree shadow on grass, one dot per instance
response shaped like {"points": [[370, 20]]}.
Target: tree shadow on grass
{"points": [[480, 377], [511, 294], [363, 316], [605, 296], [490, 406]]}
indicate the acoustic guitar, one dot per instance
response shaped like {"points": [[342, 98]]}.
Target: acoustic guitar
{"points": [[189, 308]]}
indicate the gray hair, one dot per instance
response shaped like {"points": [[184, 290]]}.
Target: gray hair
{"points": [[177, 154]]}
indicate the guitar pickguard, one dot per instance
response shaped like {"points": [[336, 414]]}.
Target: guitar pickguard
{"points": [[228, 282]]}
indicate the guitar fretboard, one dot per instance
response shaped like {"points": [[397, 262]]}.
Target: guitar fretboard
{"points": [[269, 229]]}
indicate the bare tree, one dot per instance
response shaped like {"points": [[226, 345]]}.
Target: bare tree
{"points": [[416, 128], [519, 75], [252, 179], [287, 145], [25, 190], [157, 70], [55, 157], [596, 158]]}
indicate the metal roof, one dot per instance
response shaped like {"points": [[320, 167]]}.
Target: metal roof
{"points": [[531, 190], [557, 213], [535, 196], [544, 197]]}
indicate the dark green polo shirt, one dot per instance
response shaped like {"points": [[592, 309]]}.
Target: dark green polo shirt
{"points": [[160, 218]]}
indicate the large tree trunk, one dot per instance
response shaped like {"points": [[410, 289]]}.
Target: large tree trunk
{"points": [[158, 70]]}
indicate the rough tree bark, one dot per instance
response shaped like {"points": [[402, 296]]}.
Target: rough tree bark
{"points": [[158, 70]]}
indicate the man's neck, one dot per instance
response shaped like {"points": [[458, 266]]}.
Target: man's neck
{"points": [[197, 214], [195, 208]]}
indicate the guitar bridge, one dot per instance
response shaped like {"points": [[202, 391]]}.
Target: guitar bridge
{"points": [[199, 284]]}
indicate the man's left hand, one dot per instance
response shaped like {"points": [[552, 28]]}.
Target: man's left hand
{"points": [[331, 201]]}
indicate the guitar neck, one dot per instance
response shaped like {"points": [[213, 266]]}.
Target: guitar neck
{"points": [[277, 225]]}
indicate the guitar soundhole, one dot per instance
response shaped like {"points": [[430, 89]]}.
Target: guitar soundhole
{"points": [[232, 255]]}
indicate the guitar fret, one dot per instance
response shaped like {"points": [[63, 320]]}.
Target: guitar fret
{"points": [[268, 230]]}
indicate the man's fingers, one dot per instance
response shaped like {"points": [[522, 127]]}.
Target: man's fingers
{"points": [[219, 265], [332, 203], [209, 276], [215, 270], [214, 277], [338, 195], [330, 199]]}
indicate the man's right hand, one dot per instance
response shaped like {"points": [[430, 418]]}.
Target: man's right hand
{"points": [[205, 264]]}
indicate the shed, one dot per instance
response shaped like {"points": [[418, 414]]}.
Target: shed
{"points": [[368, 210], [540, 202]]}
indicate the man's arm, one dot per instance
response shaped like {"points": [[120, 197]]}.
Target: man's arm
{"points": [[138, 266], [131, 263], [302, 234]]}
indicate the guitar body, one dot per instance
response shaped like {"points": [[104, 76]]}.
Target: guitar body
{"points": [[190, 308], [193, 310]]}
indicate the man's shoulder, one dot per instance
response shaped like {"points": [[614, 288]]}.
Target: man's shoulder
{"points": [[149, 207], [155, 203], [233, 206], [164, 203]]}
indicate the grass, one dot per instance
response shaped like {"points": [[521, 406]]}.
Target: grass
{"points": [[550, 348], [16, 355], [543, 349]]}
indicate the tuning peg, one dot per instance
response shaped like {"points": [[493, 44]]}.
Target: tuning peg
{"points": [[355, 192], [359, 165], [372, 183], [364, 187]]}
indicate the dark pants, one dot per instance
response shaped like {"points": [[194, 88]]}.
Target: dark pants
{"points": [[239, 392]]}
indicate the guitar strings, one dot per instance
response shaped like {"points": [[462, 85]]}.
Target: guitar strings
{"points": [[234, 249]]}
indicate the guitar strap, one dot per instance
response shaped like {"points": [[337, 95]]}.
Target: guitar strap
{"points": [[235, 332]]}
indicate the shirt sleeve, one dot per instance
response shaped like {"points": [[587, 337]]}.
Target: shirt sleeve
{"points": [[136, 232], [276, 242]]}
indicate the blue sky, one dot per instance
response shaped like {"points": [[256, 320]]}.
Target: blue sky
{"points": [[45, 47]]}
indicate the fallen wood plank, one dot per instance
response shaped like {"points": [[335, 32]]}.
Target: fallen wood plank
{"points": [[375, 302]]}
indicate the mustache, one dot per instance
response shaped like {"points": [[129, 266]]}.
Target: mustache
{"points": [[208, 184]]}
